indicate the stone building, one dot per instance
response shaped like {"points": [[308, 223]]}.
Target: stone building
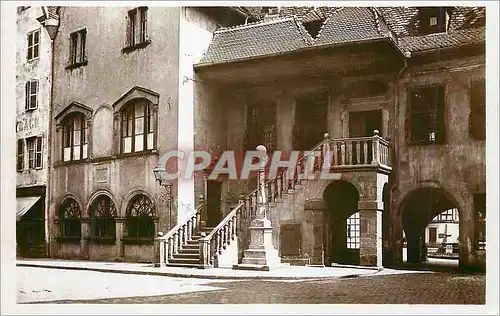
{"points": [[122, 97], [415, 75], [391, 98], [35, 29]]}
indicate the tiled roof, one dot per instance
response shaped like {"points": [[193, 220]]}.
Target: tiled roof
{"points": [[286, 33], [277, 36], [352, 24], [52, 12], [441, 40]]}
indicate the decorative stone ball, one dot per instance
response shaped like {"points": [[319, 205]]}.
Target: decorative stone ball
{"points": [[326, 135], [375, 132], [262, 149]]}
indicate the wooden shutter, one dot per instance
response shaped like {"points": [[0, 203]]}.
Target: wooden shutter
{"points": [[27, 95], [20, 155], [38, 152]]}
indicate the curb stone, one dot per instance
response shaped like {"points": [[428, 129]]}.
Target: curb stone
{"points": [[195, 276]]}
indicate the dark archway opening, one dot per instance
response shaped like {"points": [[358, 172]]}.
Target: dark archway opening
{"points": [[429, 216], [343, 224]]}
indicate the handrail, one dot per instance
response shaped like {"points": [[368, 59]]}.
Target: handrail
{"points": [[187, 218], [224, 221]]}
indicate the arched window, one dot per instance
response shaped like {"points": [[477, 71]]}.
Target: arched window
{"points": [[74, 142], [137, 127], [140, 217], [69, 217], [103, 218]]}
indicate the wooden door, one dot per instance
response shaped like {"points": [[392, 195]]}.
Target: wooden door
{"points": [[214, 211], [362, 124]]}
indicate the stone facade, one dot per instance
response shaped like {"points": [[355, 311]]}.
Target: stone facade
{"points": [[33, 77]]}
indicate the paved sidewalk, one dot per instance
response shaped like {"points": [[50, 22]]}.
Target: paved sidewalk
{"points": [[290, 272]]}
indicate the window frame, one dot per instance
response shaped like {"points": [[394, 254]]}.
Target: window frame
{"points": [[77, 49], [72, 222], [353, 240], [68, 137], [35, 155], [426, 14], [31, 47], [434, 116], [475, 110], [140, 224], [128, 126], [103, 228], [28, 95], [136, 35]]}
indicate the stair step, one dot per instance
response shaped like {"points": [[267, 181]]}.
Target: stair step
{"points": [[191, 246], [186, 251], [187, 256], [184, 260], [185, 265]]}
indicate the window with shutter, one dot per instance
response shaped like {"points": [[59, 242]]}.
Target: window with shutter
{"points": [[38, 153], [20, 154], [31, 95], [31, 145]]}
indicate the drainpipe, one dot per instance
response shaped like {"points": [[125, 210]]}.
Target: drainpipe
{"points": [[52, 26]]}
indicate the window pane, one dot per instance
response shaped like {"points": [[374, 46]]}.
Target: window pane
{"points": [[139, 109], [77, 123], [84, 154], [32, 104], [127, 145], [150, 141], [130, 124], [139, 126], [76, 152], [139, 143], [39, 144], [38, 161], [34, 87], [67, 153], [35, 51], [37, 37]]}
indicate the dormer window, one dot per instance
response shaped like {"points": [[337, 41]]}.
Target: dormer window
{"points": [[433, 20]]}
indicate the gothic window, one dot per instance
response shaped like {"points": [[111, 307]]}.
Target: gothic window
{"points": [[140, 217], [74, 142], [103, 218], [137, 127], [69, 216]]}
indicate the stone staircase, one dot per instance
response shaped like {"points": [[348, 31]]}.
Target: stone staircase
{"points": [[189, 255]]}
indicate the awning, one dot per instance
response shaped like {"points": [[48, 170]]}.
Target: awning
{"points": [[24, 204]]}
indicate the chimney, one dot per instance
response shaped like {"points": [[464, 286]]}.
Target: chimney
{"points": [[272, 13]]}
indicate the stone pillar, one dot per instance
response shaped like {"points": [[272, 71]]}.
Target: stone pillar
{"points": [[370, 246], [90, 151], [261, 254], [117, 132], [84, 241], [120, 226], [385, 123], [345, 124], [285, 122]]}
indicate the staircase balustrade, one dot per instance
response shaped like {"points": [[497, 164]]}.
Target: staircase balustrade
{"points": [[177, 237]]}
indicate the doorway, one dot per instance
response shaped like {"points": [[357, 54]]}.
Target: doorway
{"points": [[343, 224], [214, 210], [311, 112], [362, 124]]}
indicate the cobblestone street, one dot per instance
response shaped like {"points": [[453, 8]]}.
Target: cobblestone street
{"points": [[386, 287]]}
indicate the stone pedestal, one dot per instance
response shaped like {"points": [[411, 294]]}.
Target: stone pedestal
{"points": [[370, 250], [261, 254]]}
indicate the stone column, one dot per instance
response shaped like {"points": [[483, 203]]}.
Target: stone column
{"points": [[120, 226], [345, 124], [370, 247], [261, 254], [90, 150], [84, 241], [385, 123]]}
